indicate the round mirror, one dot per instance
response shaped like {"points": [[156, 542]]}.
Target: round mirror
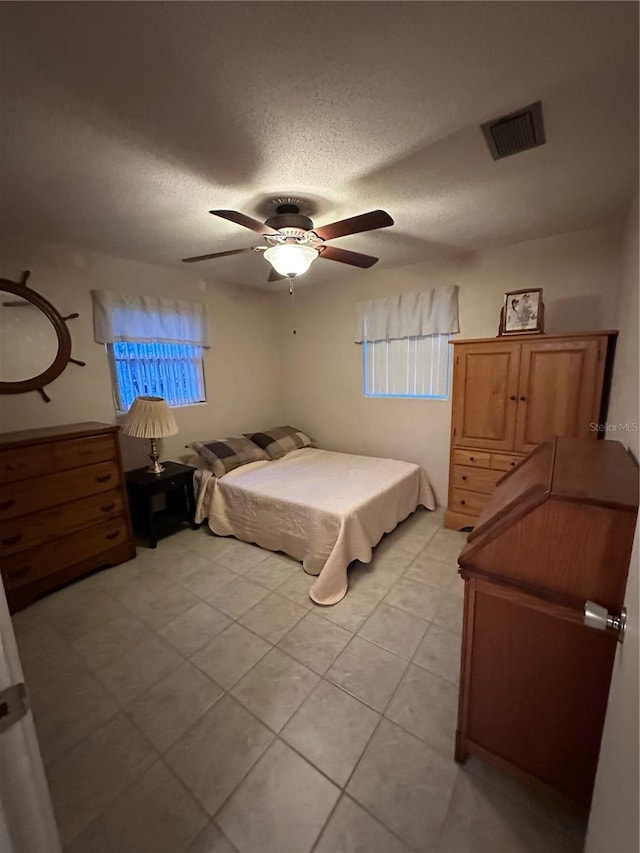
{"points": [[35, 344], [28, 339]]}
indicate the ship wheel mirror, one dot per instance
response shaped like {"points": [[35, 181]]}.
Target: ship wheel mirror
{"points": [[35, 344]]}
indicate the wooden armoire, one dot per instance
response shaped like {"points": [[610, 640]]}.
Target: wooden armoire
{"points": [[512, 392], [544, 567]]}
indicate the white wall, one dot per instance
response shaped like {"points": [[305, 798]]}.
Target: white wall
{"points": [[259, 374], [323, 367], [241, 367], [614, 817]]}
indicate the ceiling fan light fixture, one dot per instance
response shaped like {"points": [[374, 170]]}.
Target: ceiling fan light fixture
{"points": [[291, 259]]}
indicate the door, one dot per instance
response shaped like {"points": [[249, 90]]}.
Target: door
{"points": [[613, 823], [27, 824], [560, 389], [485, 388]]}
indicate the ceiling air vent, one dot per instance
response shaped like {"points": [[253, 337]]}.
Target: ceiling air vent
{"points": [[516, 132]]}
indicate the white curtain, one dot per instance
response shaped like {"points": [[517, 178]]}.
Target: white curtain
{"points": [[428, 312], [125, 317]]}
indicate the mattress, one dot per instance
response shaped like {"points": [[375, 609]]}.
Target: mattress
{"points": [[320, 507]]}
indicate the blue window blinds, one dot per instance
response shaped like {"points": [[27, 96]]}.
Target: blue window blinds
{"points": [[172, 371]]}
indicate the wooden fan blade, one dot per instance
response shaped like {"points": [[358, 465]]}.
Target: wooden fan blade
{"points": [[331, 253], [245, 221], [217, 255], [355, 225]]}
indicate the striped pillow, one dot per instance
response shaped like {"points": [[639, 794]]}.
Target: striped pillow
{"points": [[225, 454], [280, 440]]}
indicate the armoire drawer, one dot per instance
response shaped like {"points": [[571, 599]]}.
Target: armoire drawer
{"points": [[475, 479], [471, 503], [22, 498], [504, 461], [50, 524], [20, 463], [477, 458], [27, 566]]}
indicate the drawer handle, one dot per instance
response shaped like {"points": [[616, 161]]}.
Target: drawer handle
{"points": [[113, 535], [512, 464], [463, 502], [86, 453], [464, 476], [108, 507], [523, 399], [13, 467], [472, 459], [18, 573], [103, 478], [7, 504], [512, 397], [11, 540]]}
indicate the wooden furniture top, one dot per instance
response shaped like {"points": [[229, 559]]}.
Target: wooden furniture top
{"points": [[595, 472], [56, 433], [535, 337], [601, 473], [561, 522]]}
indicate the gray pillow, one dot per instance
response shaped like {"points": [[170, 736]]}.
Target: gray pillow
{"points": [[280, 440], [225, 454]]}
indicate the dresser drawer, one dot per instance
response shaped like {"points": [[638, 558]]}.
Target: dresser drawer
{"points": [[477, 458], [504, 461], [471, 503], [26, 566], [46, 525], [475, 479], [26, 497], [22, 462]]}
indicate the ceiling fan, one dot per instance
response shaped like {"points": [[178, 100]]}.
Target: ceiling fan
{"points": [[293, 242]]}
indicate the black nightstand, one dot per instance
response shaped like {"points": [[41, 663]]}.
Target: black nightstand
{"points": [[160, 503]]}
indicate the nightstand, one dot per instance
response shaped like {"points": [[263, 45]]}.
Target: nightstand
{"points": [[160, 503]]}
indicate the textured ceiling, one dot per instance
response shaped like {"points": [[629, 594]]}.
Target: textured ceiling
{"points": [[124, 123]]}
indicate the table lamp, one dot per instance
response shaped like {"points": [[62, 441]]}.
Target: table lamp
{"points": [[150, 417]]}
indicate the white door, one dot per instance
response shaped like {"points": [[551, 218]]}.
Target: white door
{"points": [[27, 824], [613, 824]]}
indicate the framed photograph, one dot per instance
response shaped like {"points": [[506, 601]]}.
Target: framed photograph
{"points": [[522, 313]]}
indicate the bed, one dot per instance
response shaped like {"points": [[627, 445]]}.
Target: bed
{"points": [[320, 507]]}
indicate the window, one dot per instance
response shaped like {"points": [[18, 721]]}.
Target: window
{"points": [[172, 371], [405, 343], [155, 346], [416, 366]]}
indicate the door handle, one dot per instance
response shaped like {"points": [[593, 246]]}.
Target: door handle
{"points": [[598, 617]]}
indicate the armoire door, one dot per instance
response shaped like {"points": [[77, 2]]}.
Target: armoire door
{"points": [[485, 388], [560, 389]]}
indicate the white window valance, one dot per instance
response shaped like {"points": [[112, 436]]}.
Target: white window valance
{"points": [[428, 312], [127, 317]]}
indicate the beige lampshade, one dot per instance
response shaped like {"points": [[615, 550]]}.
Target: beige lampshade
{"points": [[149, 417]]}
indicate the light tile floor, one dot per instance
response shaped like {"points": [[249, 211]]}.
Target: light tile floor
{"points": [[195, 700]]}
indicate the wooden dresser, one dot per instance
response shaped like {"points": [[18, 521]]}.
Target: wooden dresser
{"points": [[557, 533], [63, 507], [513, 392]]}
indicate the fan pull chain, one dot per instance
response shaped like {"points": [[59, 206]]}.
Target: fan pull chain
{"points": [[293, 306]]}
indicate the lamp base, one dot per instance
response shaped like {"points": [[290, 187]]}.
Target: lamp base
{"points": [[155, 467]]}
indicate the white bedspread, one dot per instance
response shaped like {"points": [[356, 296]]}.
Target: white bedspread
{"points": [[320, 507]]}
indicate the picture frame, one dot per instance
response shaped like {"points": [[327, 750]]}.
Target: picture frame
{"points": [[522, 312]]}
